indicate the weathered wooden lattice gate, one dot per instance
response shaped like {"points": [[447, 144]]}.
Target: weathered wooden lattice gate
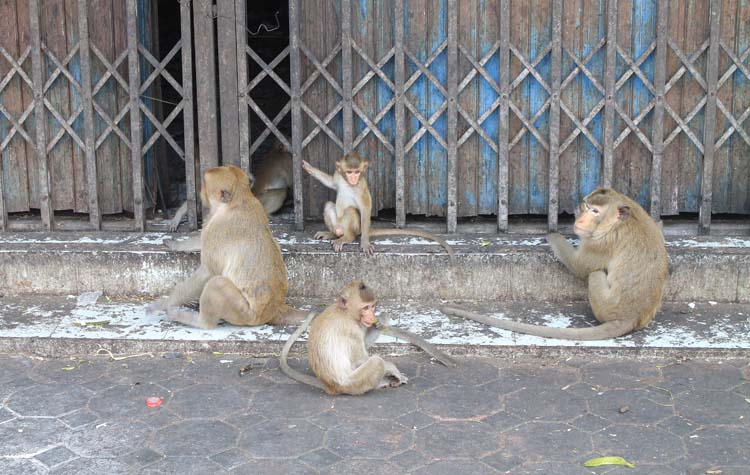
{"points": [[464, 107]]}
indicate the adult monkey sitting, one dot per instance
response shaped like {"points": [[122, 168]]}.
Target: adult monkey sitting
{"points": [[349, 217], [242, 278], [622, 255]]}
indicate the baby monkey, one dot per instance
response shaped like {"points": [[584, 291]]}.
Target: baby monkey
{"points": [[349, 217], [337, 347]]}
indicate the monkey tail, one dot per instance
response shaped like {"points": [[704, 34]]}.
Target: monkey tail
{"points": [[413, 232], [417, 340], [604, 331], [293, 373]]}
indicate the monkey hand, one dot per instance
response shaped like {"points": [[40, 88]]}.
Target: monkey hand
{"points": [[556, 241], [190, 244], [397, 379], [307, 167], [338, 244], [367, 248]]}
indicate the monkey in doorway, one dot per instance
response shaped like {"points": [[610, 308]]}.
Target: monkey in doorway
{"points": [[337, 347], [623, 258], [242, 278], [270, 183], [349, 217]]}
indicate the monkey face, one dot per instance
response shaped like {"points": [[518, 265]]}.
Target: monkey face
{"points": [[367, 314], [352, 177], [588, 220]]}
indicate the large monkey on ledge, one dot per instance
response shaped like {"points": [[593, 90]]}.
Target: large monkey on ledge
{"points": [[622, 255], [349, 217], [242, 278]]}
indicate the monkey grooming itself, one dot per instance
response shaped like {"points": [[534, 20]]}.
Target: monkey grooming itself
{"points": [[270, 184], [349, 217], [622, 255], [242, 278], [337, 347]]}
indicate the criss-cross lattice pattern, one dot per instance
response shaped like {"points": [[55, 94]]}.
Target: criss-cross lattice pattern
{"points": [[634, 68], [478, 67], [321, 71], [738, 64], [16, 69], [267, 71], [66, 123], [113, 123], [530, 68], [375, 72]]}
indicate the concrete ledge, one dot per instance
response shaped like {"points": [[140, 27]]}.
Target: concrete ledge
{"points": [[487, 267], [65, 325]]}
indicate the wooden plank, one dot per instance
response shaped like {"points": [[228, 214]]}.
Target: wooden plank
{"points": [[554, 126], [483, 181], [76, 103], [436, 160], [187, 114], [415, 33], [670, 182], [469, 154], [739, 165], [382, 29], [709, 130], [399, 114], [226, 33], [205, 84], [106, 29], [134, 81], [88, 117], [662, 31], [519, 154], [503, 118], [296, 99], [609, 85], [14, 169], [122, 170], [540, 36], [722, 154], [643, 29], [452, 131], [623, 98], [40, 117], [61, 161]]}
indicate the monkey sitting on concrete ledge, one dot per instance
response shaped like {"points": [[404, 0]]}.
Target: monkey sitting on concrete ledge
{"points": [[623, 258]]}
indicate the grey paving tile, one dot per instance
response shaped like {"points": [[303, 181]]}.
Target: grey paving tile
{"points": [[110, 439], [547, 404], [459, 402], [377, 439], [713, 407], [281, 438], [55, 456], [183, 466], [546, 441], [725, 445], [195, 438], [457, 439], [639, 444], [208, 401], [629, 405], [49, 400]]}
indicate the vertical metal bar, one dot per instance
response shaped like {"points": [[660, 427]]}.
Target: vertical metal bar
{"points": [[88, 116], [610, 71], [712, 74], [400, 113], [295, 73], [242, 96], [40, 117], [554, 115], [187, 113], [227, 46], [503, 113], [346, 72], [452, 131], [3, 211], [205, 83], [135, 116], [662, 32]]}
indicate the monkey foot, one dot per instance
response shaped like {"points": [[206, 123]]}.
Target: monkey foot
{"points": [[324, 235]]}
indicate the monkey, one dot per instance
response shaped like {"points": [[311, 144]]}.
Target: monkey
{"points": [[349, 217], [337, 347], [241, 278], [623, 258], [270, 183]]}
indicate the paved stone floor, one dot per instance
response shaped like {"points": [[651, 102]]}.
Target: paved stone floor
{"points": [[88, 415]]}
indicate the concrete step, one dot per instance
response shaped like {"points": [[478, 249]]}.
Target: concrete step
{"points": [[487, 267], [62, 325]]}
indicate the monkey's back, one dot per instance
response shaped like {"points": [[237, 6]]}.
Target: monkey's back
{"points": [[237, 243]]}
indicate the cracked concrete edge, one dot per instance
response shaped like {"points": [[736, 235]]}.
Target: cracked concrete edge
{"points": [[61, 347]]}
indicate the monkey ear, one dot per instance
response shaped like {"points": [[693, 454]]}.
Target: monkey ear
{"points": [[342, 303], [623, 212], [365, 164], [226, 196]]}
